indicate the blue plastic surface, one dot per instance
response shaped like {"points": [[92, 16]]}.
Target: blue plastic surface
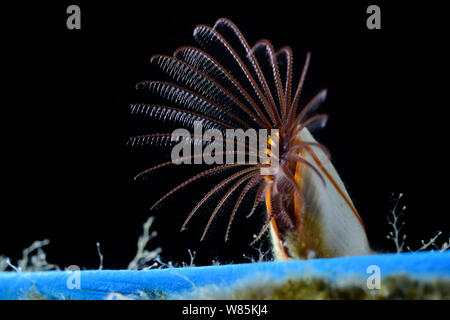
{"points": [[174, 282]]}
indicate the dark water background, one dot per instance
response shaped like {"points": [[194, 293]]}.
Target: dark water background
{"points": [[68, 174]]}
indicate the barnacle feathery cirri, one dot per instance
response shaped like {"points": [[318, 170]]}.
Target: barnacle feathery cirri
{"points": [[227, 84]]}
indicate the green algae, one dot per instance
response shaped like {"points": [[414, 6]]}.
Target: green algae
{"points": [[392, 287]]}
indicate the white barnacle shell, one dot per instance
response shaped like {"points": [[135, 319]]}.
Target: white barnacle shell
{"points": [[331, 224]]}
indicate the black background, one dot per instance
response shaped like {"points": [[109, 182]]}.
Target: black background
{"points": [[68, 176]]}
